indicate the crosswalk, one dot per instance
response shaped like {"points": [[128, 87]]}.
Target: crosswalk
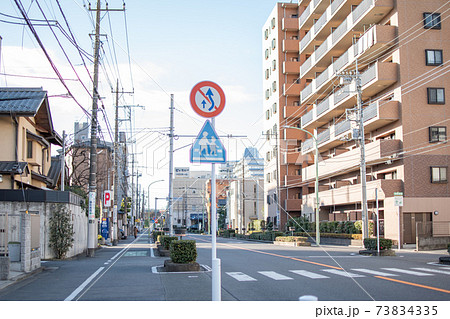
{"points": [[327, 273]]}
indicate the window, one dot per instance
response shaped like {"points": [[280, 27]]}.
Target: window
{"points": [[267, 114], [272, 23], [274, 108], [274, 65], [274, 44], [438, 174], [433, 57], [436, 95], [431, 20], [267, 54], [438, 133], [29, 149], [274, 86]]}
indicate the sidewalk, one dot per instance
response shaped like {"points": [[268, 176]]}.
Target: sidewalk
{"points": [[16, 276]]}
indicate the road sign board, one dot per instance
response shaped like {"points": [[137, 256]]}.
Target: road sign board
{"points": [[207, 99], [107, 199], [207, 148], [398, 199]]}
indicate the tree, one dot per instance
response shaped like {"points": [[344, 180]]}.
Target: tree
{"points": [[61, 230]]}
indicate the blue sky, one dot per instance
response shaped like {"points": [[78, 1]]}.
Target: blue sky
{"points": [[173, 45]]}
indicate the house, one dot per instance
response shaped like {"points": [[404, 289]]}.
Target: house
{"points": [[27, 137]]}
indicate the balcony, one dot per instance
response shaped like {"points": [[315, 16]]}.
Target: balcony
{"points": [[369, 12], [378, 151], [289, 24], [291, 89], [329, 20], [292, 180], [290, 46], [291, 112], [292, 134], [376, 115], [312, 12], [374, 80], [292, 157], [291, 67], [372, 44], [293, 204], [352, 193]]}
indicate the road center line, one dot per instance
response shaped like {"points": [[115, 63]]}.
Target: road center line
{"points": [[83, 285], [413, 284]]}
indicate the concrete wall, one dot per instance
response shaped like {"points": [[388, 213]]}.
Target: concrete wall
{"points": [[79, 221], [431, 243]]}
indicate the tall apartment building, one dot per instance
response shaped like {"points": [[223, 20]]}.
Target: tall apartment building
{"points": [[399, 49]]}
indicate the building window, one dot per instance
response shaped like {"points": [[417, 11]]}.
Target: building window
{"points": [[274, 108], [272, 23], [274, 86], [266, 34], [436, 95], [267, 114], [439, 174], [274, 44], [433, 57], [431, 20], [438, 133], [274, 65], [267, 54], [29, 149]]}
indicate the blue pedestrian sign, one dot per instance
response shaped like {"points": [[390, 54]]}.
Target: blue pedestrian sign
{"points": [[208, 148]]}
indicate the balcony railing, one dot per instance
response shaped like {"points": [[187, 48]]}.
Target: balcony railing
{"points": [[307, 117]]}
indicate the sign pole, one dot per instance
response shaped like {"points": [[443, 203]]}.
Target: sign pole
{"points": [[216, 280]]}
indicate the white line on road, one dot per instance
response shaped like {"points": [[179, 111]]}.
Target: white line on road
{"points": [[343, 273], [374, 272], [84, 284], [409, 272], [274, 275], [308, 274], [239, 276], [433, 270]]}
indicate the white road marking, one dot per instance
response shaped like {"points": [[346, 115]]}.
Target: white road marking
{"points": [[83, 285], [374, 272], [308, 274], [433, 270], [239, 276], [343, 273], [409, 272], [274, 275]]}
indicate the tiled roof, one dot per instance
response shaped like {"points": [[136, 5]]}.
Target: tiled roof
{"points": [[7, 167], [22, 101]]}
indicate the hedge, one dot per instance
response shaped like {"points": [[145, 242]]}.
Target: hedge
{"points": [[166, 240], [291, 238], [331, 235], [371, 243], [183, 251]]}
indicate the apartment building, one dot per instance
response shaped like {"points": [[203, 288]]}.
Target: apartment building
{"points": [[398, 49], [282, 83]]}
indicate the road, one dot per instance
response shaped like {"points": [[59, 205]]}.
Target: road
{"points": [[251, 271]]}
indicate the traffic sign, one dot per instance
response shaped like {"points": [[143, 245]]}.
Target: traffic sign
{"points": [[107, 199], [207, 99], [208, 148]]}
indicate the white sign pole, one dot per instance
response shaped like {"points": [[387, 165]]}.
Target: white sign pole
{"points": [[216, 280]]}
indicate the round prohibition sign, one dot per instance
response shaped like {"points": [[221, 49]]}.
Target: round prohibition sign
{"points": [[207, 99]]}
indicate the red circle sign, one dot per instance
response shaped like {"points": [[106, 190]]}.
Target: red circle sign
{"points": [[207, 99]]}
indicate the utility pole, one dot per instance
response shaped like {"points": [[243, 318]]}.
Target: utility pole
{"points": [[347, 78], [63, 161], [171, 167], [243, 194], [114, 230], [92, 230]]}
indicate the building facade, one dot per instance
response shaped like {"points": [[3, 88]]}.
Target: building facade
{"points": [[387, 58]]}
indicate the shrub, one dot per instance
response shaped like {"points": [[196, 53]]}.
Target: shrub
{"points": [[183, 251], [61, 231], [166, 240], [290, 238], [371, 243], [155, 235]]}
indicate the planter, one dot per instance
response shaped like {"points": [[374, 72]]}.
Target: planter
{"points": [[4, 268], [14, 251], [387, 252], [444, 260], [163, 252], [170, 266]]}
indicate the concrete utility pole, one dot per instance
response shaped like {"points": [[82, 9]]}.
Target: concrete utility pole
{"points": [[347, 78], [92, 229], [171, 167], [114, 230], [63, 161]]}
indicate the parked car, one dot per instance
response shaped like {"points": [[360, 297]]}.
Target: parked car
{"points": [[193, 227]]}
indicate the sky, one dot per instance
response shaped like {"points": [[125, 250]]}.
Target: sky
{"points": [[172, 46]]}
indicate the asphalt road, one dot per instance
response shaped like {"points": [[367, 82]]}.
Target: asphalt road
{"points": [[250, 271]]}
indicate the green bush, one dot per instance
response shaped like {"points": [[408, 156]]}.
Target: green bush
{"points": [[155, 235], [290, 238], [371, 243], [61, 230], [166, 240], [183, 251]]}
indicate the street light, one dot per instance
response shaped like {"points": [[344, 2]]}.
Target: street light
{"points": [[316, 162]]}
